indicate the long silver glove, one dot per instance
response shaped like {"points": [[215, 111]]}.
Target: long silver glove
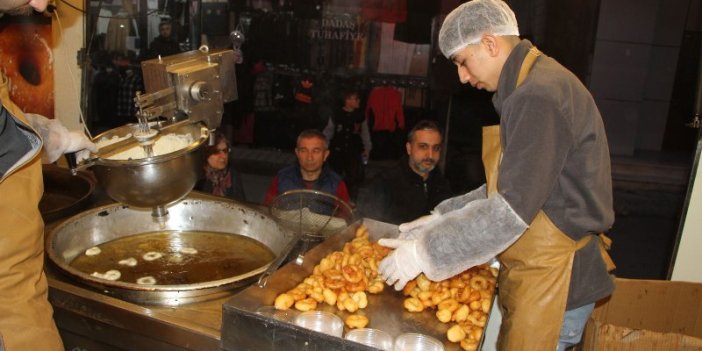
{"points": [[460, 239], [457, 202], [58, 140]]}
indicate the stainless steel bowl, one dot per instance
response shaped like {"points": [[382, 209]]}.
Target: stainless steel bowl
{"points": [[152, 181]]}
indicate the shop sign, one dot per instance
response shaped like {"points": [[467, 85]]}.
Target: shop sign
{"points": [[342, 27]]}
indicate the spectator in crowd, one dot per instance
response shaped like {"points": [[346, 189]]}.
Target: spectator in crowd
{"points": [[310, 171], [164, 44], [130, 82], [220, 178], [350, 141], [413, 186]]}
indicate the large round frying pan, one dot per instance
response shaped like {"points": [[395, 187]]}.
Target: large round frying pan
{"points": [[100, 225]]}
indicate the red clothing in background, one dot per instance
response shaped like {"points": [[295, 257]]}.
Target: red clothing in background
{"points": [[392, 11], [385, 107], [342, 191]]}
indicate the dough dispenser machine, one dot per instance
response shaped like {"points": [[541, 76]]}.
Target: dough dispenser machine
{"points": [[156, 161]]}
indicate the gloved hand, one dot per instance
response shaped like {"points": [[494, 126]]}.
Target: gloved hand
{"points": [[463, 238], [408, 230], [456, 202], [58, 140], [401, 265]]}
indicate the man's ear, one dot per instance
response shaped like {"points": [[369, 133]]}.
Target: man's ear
{"points": [[326, 154], [491, 43]]}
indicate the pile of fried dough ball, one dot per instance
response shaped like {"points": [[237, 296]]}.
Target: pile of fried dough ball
{"points": [[465, 299], [341, 279]]}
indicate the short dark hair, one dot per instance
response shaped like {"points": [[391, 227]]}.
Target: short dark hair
{"points": [[424, 124], [312, 133]]}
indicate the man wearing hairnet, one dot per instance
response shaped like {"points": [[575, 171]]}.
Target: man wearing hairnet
{"points": [[548, 192], [26, 321]]}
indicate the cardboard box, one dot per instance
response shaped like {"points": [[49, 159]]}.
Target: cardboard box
{"points": [[645, 315]]}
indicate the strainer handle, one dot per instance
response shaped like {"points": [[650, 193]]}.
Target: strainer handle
{"points": [[263, 279]]}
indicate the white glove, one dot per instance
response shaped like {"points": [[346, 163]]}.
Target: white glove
{"points": [[407, 230], [456, 202], [401, 265], [465, 237], [57, 139]]}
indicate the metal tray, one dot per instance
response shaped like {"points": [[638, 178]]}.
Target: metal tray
{"points": [[243, 328]]}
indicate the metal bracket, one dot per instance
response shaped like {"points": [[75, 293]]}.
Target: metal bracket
{"points": [[695, 123]]}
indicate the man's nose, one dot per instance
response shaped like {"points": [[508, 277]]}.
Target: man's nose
{"points": [[463, 75], [432, 154]]}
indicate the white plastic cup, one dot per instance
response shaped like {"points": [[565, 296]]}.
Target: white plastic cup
{"points": [[321, 321], [371, 337], [417, 342]]}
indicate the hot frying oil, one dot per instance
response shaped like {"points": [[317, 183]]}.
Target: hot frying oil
{"points": [[215, 256]]}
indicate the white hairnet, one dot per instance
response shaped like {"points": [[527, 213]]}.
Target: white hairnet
{"points": [[467, 23]]}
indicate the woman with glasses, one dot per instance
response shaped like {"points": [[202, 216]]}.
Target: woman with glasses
{"points": [[220, 178]]}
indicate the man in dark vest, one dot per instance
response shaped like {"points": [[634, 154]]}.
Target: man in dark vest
{"points": [[310, 171]]}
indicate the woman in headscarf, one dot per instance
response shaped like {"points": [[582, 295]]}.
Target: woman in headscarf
{"points": [[220, 177]]}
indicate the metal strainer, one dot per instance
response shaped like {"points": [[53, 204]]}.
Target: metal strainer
{"points": [[312, 215]]}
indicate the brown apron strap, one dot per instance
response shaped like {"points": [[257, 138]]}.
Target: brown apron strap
{"points": [[491, 156], [605, 245], [527, 63], [582, 242]]}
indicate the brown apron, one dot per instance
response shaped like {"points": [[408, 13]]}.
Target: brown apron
{"points": [[26, 321], [535, 270]]}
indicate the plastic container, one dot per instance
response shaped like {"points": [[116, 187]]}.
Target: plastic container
{"points": [[371, 337], [417, 342], [321, 321]]}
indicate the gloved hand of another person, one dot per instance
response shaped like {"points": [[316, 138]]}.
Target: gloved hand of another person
{"points": [[401, 265], [58, 140], [408, 230]]}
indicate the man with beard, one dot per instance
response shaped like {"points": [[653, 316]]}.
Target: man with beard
{"points": [[26, 321], [413, 186]]}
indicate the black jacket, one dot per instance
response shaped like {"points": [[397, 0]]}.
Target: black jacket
{"points": [[164, 47], [399, 195]]}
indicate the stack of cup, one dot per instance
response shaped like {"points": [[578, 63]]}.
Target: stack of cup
{"points": [[321, 321], [371, 337], [417, 342]]}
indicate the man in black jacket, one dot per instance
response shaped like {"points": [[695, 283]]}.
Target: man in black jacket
{"points": [[413, 187], [164, 44]]}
